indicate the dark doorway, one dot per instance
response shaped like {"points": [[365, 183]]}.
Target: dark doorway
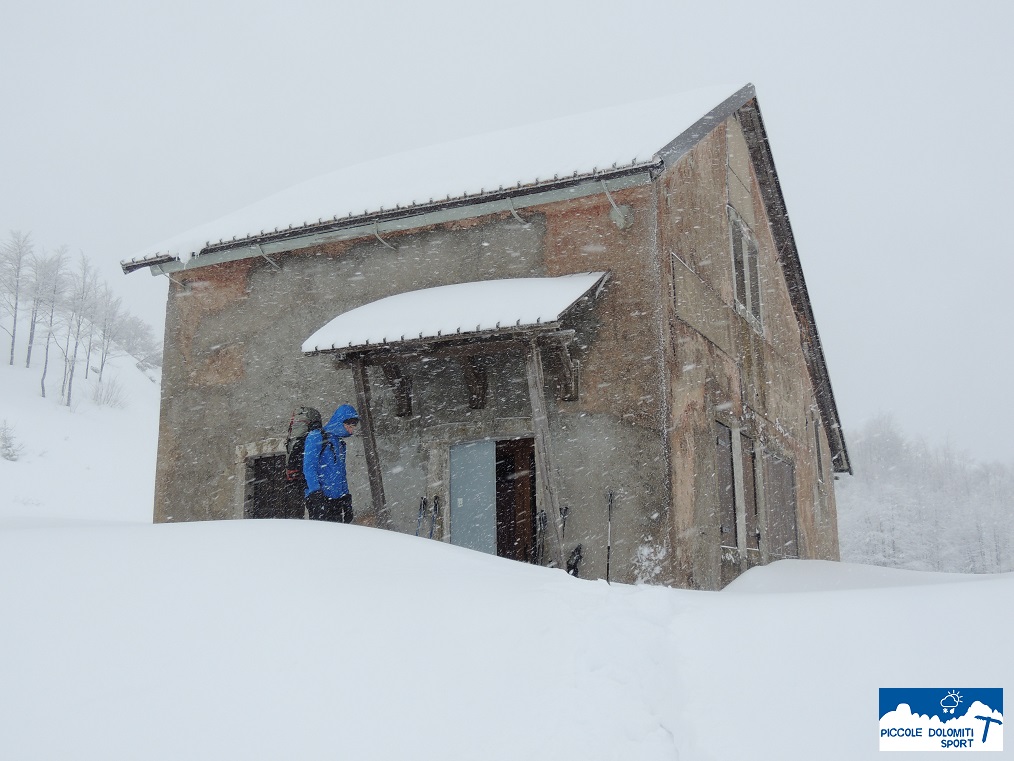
{"points": [[515, 499], [269, 495]]}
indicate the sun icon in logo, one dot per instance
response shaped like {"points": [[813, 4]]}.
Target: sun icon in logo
{"points": [[950, 701]]}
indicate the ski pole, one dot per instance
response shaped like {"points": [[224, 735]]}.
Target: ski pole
{"points": [[433, 515], [609, 534], [422, 509]]}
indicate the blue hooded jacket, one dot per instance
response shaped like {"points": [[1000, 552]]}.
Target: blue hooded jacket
{"points": [[324, 459]]}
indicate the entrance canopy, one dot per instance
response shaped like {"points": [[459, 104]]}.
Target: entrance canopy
{"points": [[458, 311]]}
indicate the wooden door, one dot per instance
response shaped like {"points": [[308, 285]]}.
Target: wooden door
{"points": [[515, 499]]}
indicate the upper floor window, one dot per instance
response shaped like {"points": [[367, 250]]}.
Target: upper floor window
{"points": [[745, 267]]}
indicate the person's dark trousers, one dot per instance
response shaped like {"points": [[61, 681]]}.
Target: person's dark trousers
{"points": [[336, 510]]}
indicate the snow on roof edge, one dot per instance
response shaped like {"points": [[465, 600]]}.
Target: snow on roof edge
{"points": [[644, 129], [451, 310]]}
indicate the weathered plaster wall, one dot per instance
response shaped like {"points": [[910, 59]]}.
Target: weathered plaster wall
{"points": [[720, 367], [234, 372], [615, 433]]}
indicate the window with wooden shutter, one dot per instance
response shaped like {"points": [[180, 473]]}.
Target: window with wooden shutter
{"points": [[780, 507], [746, 268], [726, 487], [753, 528]]}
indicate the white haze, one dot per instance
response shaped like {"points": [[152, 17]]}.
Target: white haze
{"points": [[126, 124]]}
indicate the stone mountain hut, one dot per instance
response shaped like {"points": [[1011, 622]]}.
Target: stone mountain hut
{"points": [[586, 343]]}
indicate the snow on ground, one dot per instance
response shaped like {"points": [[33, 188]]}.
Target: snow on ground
{"points": [[86, 462], [291, 639]]}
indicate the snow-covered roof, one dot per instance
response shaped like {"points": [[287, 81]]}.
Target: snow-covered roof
{"points": [[587, 144], [454, 310]]}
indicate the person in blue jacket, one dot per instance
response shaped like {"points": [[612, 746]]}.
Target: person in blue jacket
{"points": [[327, 486]]}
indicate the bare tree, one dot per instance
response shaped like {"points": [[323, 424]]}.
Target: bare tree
{"points": [[14, 257], [39, 275], [110, 325], [92, 317], [82, 295], [57, 283]]}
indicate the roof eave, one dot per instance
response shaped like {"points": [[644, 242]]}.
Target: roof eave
{"points": [[155, 260], [403, 218], [378, 352]]}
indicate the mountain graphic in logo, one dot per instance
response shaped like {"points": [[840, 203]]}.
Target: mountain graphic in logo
{"points": [[918, 718]]}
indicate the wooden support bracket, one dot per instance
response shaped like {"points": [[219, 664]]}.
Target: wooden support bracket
{"points": [[476, 380], [401, 385], [569, 370]]}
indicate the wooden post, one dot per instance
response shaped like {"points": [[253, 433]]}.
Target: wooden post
{"points": [[543, 452], [370, 442]]}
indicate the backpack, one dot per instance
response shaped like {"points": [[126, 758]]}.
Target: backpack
{"points": [[304, 420]]}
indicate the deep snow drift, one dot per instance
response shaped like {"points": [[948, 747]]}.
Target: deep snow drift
{"points": [[290, 639]]}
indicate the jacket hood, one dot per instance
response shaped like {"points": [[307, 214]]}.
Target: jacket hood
{"points": [[335, 425]]}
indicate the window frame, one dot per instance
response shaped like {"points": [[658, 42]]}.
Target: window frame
{"points": [[746, 281]]}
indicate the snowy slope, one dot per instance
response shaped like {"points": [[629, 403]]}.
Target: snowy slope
{"points": [[289, 639], [86, 462]]}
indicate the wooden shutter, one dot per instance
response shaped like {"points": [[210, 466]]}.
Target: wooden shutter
{"points": [[725, 485]]}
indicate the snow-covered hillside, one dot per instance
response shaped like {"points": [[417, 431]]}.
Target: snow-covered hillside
{"points": [[93, 461], [924, 508], [291, 639]]}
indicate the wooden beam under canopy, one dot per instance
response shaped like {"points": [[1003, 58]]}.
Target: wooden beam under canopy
{"points": [[543, 450], [362, 382]]}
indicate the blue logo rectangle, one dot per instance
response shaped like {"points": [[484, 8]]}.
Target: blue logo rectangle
{"points": [[919, 718]]}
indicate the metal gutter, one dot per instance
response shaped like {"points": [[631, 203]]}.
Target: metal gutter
{"points": [[148, 261]]}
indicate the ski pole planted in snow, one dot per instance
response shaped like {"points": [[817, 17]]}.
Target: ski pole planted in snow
{"points": [[609, 534], [422, 511]]}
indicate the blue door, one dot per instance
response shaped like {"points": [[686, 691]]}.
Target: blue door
{"points": [[473, 496]]}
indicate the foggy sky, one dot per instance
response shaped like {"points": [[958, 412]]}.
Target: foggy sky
{"points": [[124, 123]]}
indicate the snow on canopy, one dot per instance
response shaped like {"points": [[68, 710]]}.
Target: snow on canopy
{"points": [[579, 144], [453, 309]]}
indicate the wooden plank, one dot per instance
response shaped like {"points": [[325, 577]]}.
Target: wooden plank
{"points": [[543, 449], [485, 343], [362, 382]]}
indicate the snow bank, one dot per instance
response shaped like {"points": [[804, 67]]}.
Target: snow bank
{"points": [[292, 639], [87, 462]]}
